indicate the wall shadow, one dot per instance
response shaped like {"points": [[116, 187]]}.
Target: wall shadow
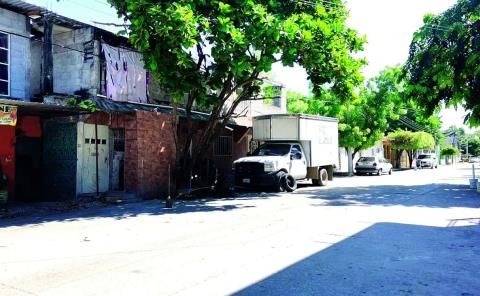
{"points": [[385, 259]]}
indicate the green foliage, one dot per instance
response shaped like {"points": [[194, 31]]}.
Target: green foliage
{"points": [[449, 151], [365, 117], [444, 61], [213, 49], [470, 140], [271, 92], [407, 140], [423, 140], [88, 105]]}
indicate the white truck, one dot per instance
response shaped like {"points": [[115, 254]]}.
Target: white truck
{"points": [[292, 147]]}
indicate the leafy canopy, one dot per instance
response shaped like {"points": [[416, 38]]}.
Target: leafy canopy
{"points": [[365, 117], [444, 61], [407, 140], [213, 49], [449, 151]]}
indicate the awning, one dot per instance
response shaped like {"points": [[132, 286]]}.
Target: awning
{"points": [[42, 110]]}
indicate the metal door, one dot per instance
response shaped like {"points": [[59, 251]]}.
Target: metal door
{"points": [[298, 166], [89, 158]]}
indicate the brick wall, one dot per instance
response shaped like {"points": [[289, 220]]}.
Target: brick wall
{"points": [[149, 149], [156, 150]]}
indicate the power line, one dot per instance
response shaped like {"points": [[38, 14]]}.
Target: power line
{"points": [[92, 9], [64, 46], [52, 43]]}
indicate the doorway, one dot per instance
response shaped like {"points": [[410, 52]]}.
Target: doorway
{"points": [[89, 140]]}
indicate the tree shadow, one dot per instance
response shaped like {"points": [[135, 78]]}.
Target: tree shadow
{"points": [[124, 211], [385, 259], [430, 195]]}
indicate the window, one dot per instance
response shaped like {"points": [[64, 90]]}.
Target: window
{"points": [[119, 139], [4, 69], [223, 146], [295, 150]]}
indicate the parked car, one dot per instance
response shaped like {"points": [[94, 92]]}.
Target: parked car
{"points": [[474, 159], [373, 165], [428, 160]]}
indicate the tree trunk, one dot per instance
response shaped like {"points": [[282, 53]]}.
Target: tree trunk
{"points": [[410, 158], [399, 158], [350, 161]]}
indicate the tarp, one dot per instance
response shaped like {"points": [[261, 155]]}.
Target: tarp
{"points": [[8, 115], [126, 75]]}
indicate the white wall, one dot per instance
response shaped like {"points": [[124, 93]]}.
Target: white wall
{"points": [[19, 53]]}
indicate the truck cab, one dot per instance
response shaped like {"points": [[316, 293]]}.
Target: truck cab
{"points": [[302, 155]]}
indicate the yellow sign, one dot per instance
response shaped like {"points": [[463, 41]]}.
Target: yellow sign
{"points": [[8, 115]]}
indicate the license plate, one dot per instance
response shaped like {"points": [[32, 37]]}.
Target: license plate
{"points": [[246, 181]]}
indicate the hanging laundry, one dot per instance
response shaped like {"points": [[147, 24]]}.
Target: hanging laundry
{"points": [[126, 75]]}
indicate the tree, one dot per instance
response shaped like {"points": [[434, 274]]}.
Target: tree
{"points": [[213, 53], [410, 141], [449, 151], [471, 141], [443, 65], [365, 117]]}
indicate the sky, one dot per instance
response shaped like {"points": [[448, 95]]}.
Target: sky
{"points": [[388, 25]]}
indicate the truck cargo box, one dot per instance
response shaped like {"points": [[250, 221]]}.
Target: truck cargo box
{"points": [[318, 135]]}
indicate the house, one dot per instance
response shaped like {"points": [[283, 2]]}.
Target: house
{"points": [[57, 152]]}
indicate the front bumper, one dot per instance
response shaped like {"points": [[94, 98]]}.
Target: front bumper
{"points": [[424, 164], [257, 180]]}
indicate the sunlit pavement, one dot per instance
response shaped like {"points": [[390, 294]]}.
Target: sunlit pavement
{"points": [[412, 233]]}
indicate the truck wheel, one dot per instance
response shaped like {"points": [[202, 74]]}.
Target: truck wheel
{"points": [[289, 183], [279, 181], [323, 178], [379, 172]]}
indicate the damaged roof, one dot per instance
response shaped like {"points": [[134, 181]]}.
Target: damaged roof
{"points": [[41, 109], [131, 107], [28, 9]]}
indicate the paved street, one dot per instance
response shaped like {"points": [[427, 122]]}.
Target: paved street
{"points": [[412, 233]]}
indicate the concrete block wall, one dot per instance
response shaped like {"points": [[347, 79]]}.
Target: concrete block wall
{"points": [[19, 51], [70, 71]]}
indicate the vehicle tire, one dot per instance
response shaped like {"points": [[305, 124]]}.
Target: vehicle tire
{"points": [[289, 183], [390, 171], [432, 167], [323, 178], [379, 173], [279, 181]]}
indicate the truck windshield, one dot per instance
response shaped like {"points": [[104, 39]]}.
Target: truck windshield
{"points": [[272, 150], [424, 156]]}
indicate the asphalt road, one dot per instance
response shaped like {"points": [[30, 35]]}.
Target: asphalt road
{"points": [[412, 233]]}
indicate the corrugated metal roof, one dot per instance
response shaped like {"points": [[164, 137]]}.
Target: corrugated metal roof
{"points": [[26, 8], [107, 105], [23, 7], [41, 109]]}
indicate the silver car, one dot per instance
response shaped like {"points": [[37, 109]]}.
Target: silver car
{"points": [[428, 160], [373, 165]]}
